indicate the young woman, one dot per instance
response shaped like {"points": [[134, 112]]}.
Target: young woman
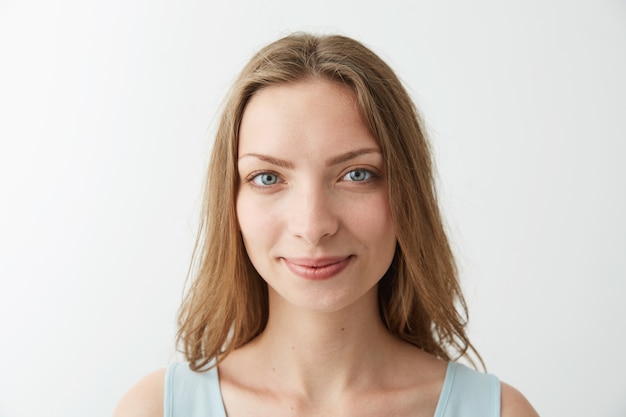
{"points": [[325, 282]]}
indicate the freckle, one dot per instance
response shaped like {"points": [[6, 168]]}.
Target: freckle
{"points": [[293, 347], [342, 329], [273, 369]]}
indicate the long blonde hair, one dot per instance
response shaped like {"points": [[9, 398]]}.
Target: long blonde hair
{"points": [[420, 298]]}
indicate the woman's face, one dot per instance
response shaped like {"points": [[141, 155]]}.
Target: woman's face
{"points": [[312, 202]]}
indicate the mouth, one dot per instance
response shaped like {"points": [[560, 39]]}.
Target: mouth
{"points": [[317, 269]]}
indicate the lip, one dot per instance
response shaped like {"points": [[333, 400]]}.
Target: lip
{"points": [[317, 269]]}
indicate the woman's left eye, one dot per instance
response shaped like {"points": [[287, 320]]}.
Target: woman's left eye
{"points": [[358, 175]]}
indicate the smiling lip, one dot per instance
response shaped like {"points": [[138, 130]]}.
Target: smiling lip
{"points": [[317, 269]]}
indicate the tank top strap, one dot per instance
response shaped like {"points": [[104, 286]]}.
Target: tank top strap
{"points": [[468, 393], [192, 394], [465, 393]]}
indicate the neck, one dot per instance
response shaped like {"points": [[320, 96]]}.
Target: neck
{"points": [[317, 353]]}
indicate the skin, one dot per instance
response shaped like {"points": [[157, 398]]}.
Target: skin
{"points": [[313, 211], [313, 193]]}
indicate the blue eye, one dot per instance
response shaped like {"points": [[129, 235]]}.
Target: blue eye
{"points": [[265, 179], [358, 175]]}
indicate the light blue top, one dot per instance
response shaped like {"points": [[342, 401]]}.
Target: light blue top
{"points": [[465, 393]]}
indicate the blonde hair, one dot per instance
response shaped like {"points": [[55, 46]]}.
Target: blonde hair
{"points": [[419, 297]]}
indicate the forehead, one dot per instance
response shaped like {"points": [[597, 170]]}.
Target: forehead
{"points": [[305, 114]]}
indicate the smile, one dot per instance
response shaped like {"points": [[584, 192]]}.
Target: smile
{"points": [[317, 269]]}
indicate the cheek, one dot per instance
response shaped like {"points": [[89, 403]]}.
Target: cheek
{"points": [[242, 209], [384, 234], [256, 222], [247, 226], [373, 220], [248, 220]]}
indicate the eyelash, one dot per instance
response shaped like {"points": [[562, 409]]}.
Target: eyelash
{"points": [[370, 174], [252, 178]]}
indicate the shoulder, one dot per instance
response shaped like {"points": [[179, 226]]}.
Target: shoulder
{"points": [[145, 399], [514, 404]]}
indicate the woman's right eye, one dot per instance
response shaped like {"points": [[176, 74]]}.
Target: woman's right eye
{"points": [[264, 179]]}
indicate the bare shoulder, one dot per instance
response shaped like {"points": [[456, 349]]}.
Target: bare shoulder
{"points": [[514, 404], [145, 399]]}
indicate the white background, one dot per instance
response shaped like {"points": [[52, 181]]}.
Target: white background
{"points": [[106, 114]]}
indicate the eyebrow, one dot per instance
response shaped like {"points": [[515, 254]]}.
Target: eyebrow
{"points": [[274, 161], [344, 157]]}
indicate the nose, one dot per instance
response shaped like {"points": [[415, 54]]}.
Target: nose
{"points": [[312, 215]]}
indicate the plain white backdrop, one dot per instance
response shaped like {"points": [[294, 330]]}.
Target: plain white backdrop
{"points": [[106, 115]]}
